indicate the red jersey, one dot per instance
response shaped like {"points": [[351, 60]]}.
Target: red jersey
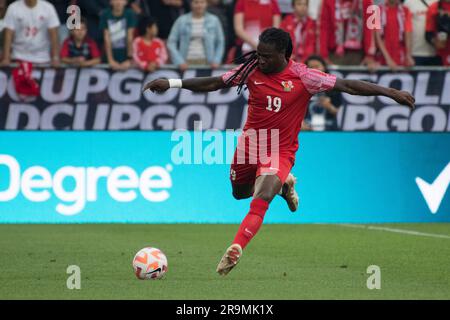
{"points": [[396, 21], [303, 35], [432, 13], [144, 52], [280, 100], [258, 15], [343, 27], [88, 49]]}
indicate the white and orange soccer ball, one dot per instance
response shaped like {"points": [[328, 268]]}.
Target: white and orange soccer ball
{"points": [[150, 263]]}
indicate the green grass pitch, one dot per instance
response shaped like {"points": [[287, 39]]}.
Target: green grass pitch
{"points": [[282, 262]]}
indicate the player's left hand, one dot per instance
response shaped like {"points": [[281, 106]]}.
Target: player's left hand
{"points": [[157, 85], [404, 98]]}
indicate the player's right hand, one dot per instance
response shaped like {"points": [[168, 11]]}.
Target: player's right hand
{"points": [[403, 98], [157, 85]]}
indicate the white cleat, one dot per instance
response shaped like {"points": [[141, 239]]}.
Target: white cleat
{"points": [[229, 259], [289, 194]]}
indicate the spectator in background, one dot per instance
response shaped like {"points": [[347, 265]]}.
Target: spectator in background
{"points": [[31, 32], [138, 7], [251, 17], [438, 29], [61, 10], [302, 30], [423, 53], [166, 12], [221, 10], [394, 37], [118, 25], [149, 52], [91, 10], [285, 7], [78, 49], [345, 38], [314, 9], [3, 6], [323, 107], [196, 38]]}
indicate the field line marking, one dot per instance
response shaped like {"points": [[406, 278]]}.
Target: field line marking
{"points": [[403, 231]]}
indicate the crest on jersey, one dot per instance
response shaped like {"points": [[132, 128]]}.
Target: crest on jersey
{"points": [[233, 174], [287, 85]]}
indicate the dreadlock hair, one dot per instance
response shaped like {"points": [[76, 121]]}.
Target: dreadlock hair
{"points": [[274, 36]]}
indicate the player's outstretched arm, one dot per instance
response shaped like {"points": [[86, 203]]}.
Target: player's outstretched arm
{"points": [[200, 84], [364, 88]]}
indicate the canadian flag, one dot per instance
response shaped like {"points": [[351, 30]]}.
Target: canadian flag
{"points": [[24, 84]]}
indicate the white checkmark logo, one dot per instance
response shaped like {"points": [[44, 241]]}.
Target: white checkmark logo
{"points": [[434, 192], [257, 83]]}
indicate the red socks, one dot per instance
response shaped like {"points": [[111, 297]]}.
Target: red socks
{"points": [[252, 222]]}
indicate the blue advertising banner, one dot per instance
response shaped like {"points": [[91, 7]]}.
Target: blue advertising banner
{"points": [[101, 99], [142, 177]]}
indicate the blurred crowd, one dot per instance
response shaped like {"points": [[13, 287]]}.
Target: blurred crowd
{"points": [[150, 33]]}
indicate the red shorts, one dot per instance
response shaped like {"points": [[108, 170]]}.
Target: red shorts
{"points": [[246, 173]]}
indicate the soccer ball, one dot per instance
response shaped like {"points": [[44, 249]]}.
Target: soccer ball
{"points": [[150, 263]]}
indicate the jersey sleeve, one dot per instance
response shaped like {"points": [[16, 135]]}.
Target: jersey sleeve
{"points": [[239, 7], [53, 20], [430, 25], [315, 81], [131, 18], [227, 75], [95, 52], [136, 50], [10, 21], [65, 49], [408, 21], [162, 57], [275, 8]]}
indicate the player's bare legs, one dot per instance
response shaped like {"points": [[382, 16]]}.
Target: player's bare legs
{"points": [[266, 188], [245, 191]]}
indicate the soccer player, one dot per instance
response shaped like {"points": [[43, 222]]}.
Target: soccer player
{"points": [[280, 90]]}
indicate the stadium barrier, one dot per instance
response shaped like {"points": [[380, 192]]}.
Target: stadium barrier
{"points": [[135, 177], [101, 99]]}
